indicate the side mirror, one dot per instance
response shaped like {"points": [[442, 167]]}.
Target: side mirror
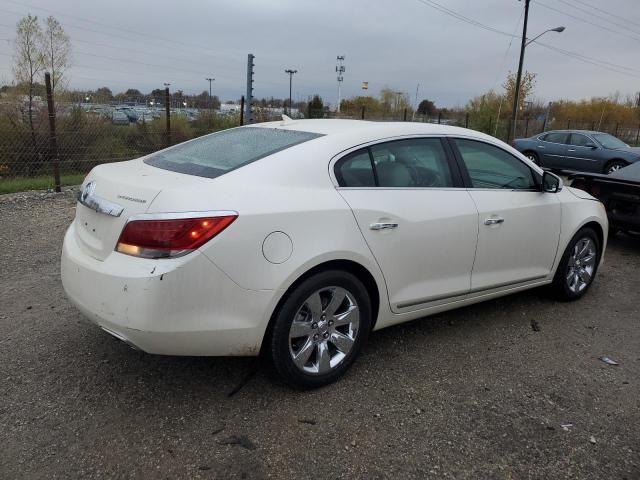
{"points": [[551, 183]]}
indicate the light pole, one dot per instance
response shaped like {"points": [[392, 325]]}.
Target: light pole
{"points": [[290, 73], [339, 70], [210, 97], [523, 45]]}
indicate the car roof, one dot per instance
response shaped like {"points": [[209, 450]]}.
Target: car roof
{"points": [[354, 132], [589, 132]]}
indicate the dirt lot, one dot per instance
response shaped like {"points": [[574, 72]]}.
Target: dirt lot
{"points": [[481, 392]]}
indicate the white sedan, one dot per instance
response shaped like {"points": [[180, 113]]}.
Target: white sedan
{"points": [[296, 239]]}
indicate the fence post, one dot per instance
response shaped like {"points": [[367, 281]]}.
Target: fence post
{"points": [[439, 117], [405, 115], [167, 107], [526, 127], [638, 135], [569, 124], [242, 110], [593, 125], [466, 120], [616, 134], [362, 112], [490, 125], [53, 143]]}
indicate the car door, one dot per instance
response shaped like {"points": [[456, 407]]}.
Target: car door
{"points": [[418, 221], [583, 154], [518, 224], [552, 149]]}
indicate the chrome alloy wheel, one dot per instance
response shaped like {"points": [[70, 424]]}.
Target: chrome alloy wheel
{"points": [[614, 168], [582, 264], [324, 330]]}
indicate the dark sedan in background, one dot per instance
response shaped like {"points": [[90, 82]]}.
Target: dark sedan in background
{"points": [[578, 150], [619, 193]]}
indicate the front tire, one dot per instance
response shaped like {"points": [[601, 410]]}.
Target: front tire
{"points": [[578, 266], [319, 330], [614, 166]]}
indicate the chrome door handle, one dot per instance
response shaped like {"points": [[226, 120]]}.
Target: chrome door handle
{"points": [[383, 226], [571, 150], [493, 221]]}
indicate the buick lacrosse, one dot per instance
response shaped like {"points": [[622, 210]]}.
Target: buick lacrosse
{"points": [[296, 239]]}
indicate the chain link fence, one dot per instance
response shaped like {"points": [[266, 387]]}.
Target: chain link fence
{"points": [[88, 135]]}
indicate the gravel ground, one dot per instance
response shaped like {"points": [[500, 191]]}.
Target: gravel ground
{"points": [[508, 389]]}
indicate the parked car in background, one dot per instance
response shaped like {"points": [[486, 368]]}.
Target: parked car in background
{"points": [[620, 194], [295, 239], [118, 117], [578, 150]]}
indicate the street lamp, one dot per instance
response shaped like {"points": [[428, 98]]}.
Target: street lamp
{"points": [[557, 29], [514, 113], [290, 73], [210, 97]]}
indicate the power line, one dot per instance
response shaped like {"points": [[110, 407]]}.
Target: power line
{"points": [[599, 63], [582, 2], [167, 40], [589, 22], [589, 11]]}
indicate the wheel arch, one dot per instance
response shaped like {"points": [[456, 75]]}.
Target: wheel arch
{"points": [[360, 271]]}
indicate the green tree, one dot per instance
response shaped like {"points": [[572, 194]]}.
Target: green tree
{"points": [[316, 107], [427, 107], [103, 95]]}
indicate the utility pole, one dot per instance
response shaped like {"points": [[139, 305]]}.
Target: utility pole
{"points": [[290, 73], [415, 104], [210, 97], [514, 113], [248, 103], [339, 70]]}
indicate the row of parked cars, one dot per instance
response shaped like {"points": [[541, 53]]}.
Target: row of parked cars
{"points": [[597, 162]]}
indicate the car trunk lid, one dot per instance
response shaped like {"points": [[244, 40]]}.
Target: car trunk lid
{"points": [[111, 194]]}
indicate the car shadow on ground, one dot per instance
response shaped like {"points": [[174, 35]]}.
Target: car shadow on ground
{"points": [[225, 377]]}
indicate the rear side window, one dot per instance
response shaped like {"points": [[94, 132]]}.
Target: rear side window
{"points": [[218, 153], [355, 170], [555, 137], [414, 163]]}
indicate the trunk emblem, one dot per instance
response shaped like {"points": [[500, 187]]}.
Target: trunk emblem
{"points": [[88, 198]]}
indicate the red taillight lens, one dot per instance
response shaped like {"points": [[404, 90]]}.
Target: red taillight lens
{"points": [[170, 237]]}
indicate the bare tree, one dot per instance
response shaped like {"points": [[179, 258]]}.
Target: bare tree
{"points": [[28, 60], [56, 50]]}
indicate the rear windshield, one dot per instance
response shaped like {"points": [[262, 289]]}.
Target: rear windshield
{"points": [[215, 154], [609, 141]]}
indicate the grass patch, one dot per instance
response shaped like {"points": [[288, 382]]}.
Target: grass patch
{"points": [[22, 184]]}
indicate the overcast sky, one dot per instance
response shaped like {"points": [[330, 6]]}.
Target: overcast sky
{"points": [[395, 43]]}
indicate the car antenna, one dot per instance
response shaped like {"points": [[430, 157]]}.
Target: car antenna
{"points": [[286, 120]]}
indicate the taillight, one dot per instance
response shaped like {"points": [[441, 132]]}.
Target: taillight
{"points": [[164, 238]]}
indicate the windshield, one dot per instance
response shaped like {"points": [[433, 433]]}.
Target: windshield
{"points": [[609, 141], [218, 153]]}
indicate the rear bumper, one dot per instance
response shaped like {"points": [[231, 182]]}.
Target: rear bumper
{"points": [[182, 306]]}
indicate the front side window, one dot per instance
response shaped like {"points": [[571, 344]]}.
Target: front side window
{"points": [[580, 140], [218, 153], [412, 163], [492, 167], [555, 137]]}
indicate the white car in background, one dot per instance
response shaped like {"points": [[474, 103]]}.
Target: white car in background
{"points": [[296, 239]]}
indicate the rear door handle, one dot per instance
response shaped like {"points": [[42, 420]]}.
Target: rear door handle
{"points": [[572, 150], [383, 226], [494, 221]]}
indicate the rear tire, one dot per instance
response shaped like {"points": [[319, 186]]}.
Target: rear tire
{"points": [[578, 266], [613, 166], [319, 330]]}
